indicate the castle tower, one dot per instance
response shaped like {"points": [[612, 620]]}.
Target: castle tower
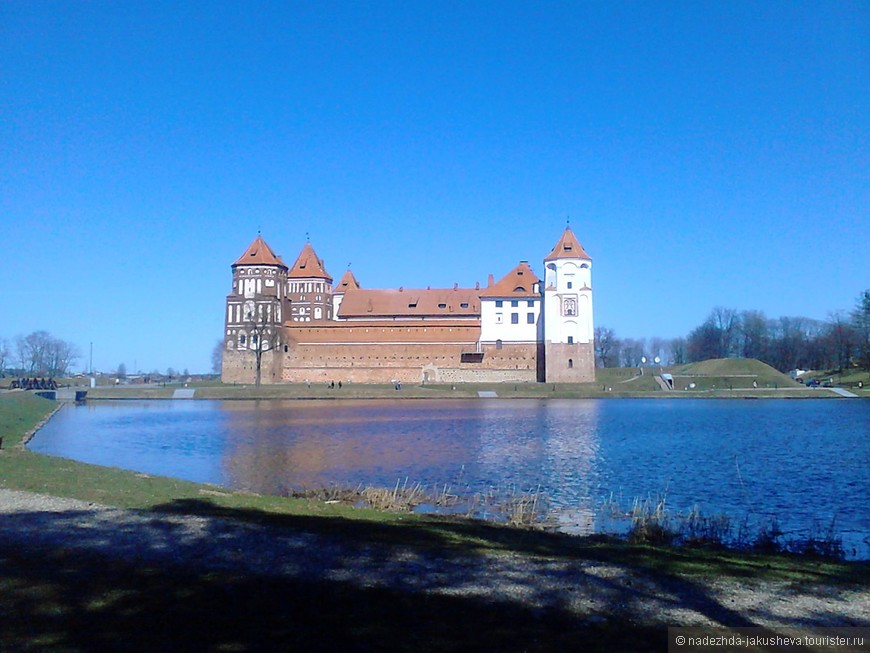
{"points": [[309, 287], [347, 282], [255, 309], [569, 351]]}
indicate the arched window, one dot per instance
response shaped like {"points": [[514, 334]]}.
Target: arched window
{"points": [[498, 344], [570, 363]]}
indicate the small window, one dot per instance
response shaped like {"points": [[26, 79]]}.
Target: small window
{"points": [[242, 339], [570, 285], [498, 318], [498, 303], [519, 289], [531, 303], [515, 318], [498, 344], [463, 305], [514, 303], [254, 339], [530, 318], [442, 305], [570, 340], [570, 363]]}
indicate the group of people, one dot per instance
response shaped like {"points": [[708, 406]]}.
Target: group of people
{"points": [[33, 384]]}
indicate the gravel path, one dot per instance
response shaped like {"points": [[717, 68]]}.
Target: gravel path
{"points": [[592, 590]]}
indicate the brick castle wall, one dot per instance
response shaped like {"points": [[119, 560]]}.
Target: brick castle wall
{"points": [[407, 362], [241, 367], [573, 363]]}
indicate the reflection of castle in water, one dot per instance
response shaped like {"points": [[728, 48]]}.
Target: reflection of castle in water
{"points": [[289, 445], [516, 445]]}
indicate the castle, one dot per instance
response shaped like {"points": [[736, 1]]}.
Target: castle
{"points": [[292, 325]]}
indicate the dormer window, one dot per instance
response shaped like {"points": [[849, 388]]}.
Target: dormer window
{"points": [[442, 305], [463, 305]]}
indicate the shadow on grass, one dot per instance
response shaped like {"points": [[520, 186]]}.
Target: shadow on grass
{"points": [[181, 580], [468, 536]]}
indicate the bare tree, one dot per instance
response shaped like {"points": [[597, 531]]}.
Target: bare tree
{"points": [[861, 323], [5, 353], [633, 351], [657, 348], [41, 354], [754, 335], [842, 337], [725, 321], [606, 347], [263, 334], [679, 351], [217, 357]]}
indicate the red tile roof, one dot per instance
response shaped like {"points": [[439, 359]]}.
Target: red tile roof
{"points": [[259, 253], [519, 282], [309, 266], [434, 302], [567, 247], [346, 282]]}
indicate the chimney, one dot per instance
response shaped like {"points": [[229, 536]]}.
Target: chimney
{"points": [[456, 286], [477, 285], [490, 281]]}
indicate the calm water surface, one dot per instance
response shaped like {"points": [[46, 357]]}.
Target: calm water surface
{"points": [[807, 462]]}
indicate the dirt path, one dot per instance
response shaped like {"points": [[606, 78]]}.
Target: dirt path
{"points": [[587, 589]]}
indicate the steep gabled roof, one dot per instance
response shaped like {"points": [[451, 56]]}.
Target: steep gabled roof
{"points": [[567, 247], [346, 282], [519, 282], [259, 253], [431, 302], [309, 266]]}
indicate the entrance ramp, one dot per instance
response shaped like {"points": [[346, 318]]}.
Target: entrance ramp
{"points": [[184, 393], [843, 393], [665, 381]]}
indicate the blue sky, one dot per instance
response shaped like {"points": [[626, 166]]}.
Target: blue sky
{"points": [[707, 153]]}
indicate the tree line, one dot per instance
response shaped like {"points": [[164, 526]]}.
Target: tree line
{"points": [[37, 354], [785, 343]]}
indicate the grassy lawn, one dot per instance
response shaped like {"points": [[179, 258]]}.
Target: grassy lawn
{"points": [[54, 599]]}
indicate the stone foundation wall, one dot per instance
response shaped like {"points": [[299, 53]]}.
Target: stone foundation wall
{"points": [[569, 363]]}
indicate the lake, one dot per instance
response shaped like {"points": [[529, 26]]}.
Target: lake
{"points": [[805, 462]]}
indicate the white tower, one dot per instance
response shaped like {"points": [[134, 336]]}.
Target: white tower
{"points": [[569, 350]]}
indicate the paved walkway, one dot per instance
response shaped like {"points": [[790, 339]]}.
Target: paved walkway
{"points": [[843, 393]]}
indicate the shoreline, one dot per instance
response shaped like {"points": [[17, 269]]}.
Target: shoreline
{"points": [[507, 392]]}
